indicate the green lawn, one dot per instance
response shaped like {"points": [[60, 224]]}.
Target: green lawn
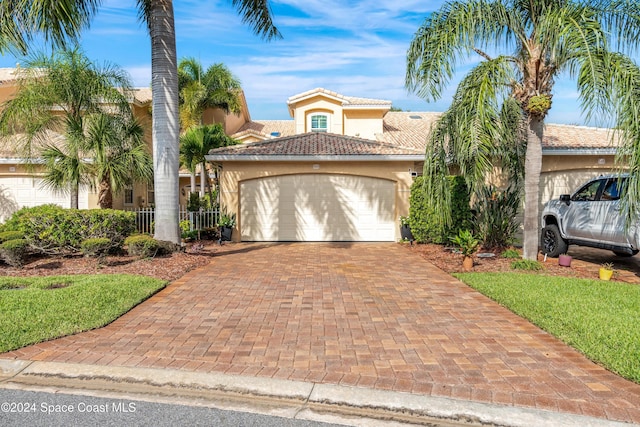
{"points": [[599, 318], [39, 309]]}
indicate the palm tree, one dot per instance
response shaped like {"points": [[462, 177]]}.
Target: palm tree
{"points": [[120, 155], [59, 21], [196, 143], [216, 87], [510, 94], [55, 95]]}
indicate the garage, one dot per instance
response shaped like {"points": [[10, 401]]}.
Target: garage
{"points": [[24, 191], [317, 207]]}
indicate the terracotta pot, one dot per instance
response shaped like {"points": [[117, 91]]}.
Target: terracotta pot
{"points": [[564, 260], [467, 263], [605, 274]]}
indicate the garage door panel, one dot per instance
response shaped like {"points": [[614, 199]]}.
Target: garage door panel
{"points": [[317, 207]]}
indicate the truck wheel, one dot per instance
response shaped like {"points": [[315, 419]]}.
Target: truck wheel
{"points": [[552, 242]]}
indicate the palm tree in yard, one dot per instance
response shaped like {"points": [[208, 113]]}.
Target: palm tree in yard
{"points": [[61, 20], [195, 144], [216, 87], [507, 96], [58, 94], [120, 155]]}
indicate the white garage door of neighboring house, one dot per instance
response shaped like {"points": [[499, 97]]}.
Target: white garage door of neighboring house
{"points": [[317, 207], [19, 192]]}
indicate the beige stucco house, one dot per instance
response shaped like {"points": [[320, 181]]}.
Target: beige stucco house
{"points": [[342, 168], [339, 170]]}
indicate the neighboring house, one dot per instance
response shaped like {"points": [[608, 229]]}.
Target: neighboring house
{"points": [[341, 170], [22, 187]]}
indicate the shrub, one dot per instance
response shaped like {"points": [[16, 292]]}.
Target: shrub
{"points": [[11, 235], [526, 264], [96, 247], [166, 247], [13, 252], [52, 229], [426, 225], [495, 221], [511, 254], [466, 242], [142, 245]]}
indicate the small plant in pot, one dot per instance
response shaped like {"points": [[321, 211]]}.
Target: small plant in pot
{"points": [[606, 271], [468, 245], [226, 222]]}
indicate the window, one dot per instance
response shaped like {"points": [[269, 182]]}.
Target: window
{"points": [[588, 192], [128, 196], [151, 195], [613, 189], [319, 123]]}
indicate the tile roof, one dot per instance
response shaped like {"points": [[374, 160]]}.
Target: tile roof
{"points": [[7, 74], [265, 128], [576, 137], [315, 144], [347, 101], [407, 129], [142, 94]]}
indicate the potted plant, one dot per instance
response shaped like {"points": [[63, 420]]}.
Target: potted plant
{"points": [[405, 230], [606, 271], [226, 222], [468, 245], [564, 260]]}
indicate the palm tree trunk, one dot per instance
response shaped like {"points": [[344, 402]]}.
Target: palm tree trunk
{"points": [[203, 178], [105, 195], [193, 180], [75, 191], [164, 87], [532, 168]]}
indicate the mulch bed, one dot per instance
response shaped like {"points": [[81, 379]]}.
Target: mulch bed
{"points": [[166, 267]]}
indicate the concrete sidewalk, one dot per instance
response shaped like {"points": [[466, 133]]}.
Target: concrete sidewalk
{"points": [[366, 316]]}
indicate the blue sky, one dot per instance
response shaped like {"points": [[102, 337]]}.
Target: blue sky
{"points": [[353, 47]]}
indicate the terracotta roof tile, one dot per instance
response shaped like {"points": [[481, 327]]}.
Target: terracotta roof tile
{"points": [[347, 101], [266, 128], [315, 144]]}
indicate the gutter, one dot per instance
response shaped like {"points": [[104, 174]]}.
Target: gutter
{"points": [[323, 158], [579, 151]]}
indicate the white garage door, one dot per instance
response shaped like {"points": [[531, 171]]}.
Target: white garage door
{"points": [[317, 207], [19, 192]]}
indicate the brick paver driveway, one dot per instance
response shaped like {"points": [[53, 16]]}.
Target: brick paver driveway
{"points": [[371, 315]]}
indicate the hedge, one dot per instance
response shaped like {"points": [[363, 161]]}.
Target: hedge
{"points": [[52, 229], [426, 225]]}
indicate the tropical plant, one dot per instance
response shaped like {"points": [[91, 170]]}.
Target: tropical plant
{"points": [[60, 94], [216, 87], [195, 144], [227, 220], [506, 97], [120, 155], [495, 221], [61, 21], [467, 243]]}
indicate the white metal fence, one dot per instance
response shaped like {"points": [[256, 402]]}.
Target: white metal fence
{"points": [[199, 220]]}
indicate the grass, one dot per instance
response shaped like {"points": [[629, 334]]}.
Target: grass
{"points": [[33, 310], [601, 319]]}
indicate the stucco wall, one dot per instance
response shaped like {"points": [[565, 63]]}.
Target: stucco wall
{"points": [[234, 173], [318, 104], [363, 123]]}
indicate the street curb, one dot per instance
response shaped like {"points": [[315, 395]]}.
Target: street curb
{"points": [[300, 397]]}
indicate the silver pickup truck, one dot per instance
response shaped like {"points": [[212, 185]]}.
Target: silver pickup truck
{"points": [[590, 217]]}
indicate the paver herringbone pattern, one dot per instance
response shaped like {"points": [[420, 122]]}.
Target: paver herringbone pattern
{"points": [[371, 315]]}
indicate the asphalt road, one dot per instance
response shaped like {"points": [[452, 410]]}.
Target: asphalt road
{"points": [[27, 408]]}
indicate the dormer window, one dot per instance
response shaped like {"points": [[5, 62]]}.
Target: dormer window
{"points": [[319, 123]]}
